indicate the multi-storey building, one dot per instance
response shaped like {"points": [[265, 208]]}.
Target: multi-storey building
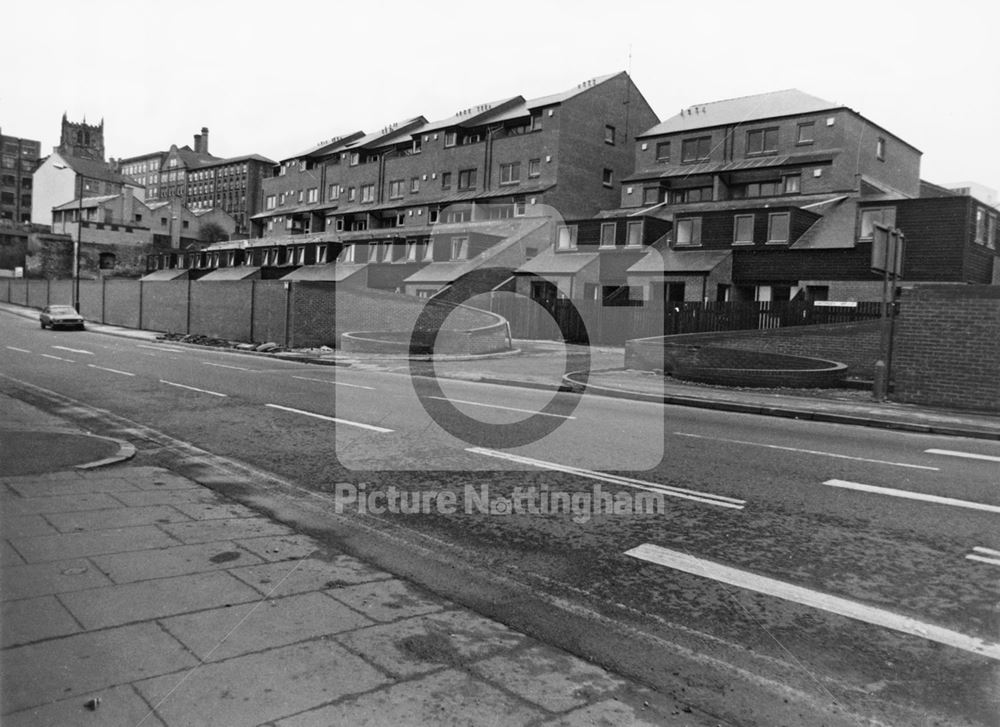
{"points": [[18, 160], [231, 185], [419, 194], [61, 178]]}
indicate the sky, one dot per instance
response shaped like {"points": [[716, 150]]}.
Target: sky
{"points": [[274, 82]]}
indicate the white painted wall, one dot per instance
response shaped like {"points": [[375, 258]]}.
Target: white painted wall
{"points": [[51, 186]]}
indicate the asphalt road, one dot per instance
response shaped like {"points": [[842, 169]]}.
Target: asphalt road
{"points": [[858, 566]]}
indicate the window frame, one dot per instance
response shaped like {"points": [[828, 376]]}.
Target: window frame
{"points": [[699, 156], [534, 168], [809, 126], [467, 179], [605, 227], [571, 237], [771, 217], [764, 149], [660, 146], [512, 172], [694, 234], [609, 134], [631, 227], [736, 228]]}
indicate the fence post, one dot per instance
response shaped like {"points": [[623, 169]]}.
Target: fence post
{"points": [[187, 309], [253, 304], [140, 305], [288, 312]]}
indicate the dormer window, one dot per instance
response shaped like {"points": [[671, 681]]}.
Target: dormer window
{"points": [[450, 138], [762, 141]]}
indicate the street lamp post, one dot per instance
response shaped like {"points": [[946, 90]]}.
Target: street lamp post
{"points": [[78, 243]]}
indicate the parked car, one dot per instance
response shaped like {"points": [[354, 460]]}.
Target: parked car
{"points": [[56, 316]]}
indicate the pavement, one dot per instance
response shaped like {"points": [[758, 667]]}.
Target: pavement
{"points": [[134, 596], [554, 365]]}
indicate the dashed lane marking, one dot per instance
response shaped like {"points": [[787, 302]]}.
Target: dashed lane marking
{"points": [[114, 371], [334, 383], [505, 408], [74, 350], [324, 417], [966, 455], [909, 495], [57, 358], [193, 388], [161, 348], [984, 555], [15, 348], [227, 366], [815, 599]]}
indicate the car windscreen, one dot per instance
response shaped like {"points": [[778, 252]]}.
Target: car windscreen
{"points": [[62, 310]]}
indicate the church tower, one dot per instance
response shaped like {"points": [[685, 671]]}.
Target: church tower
{"points": [[82, 140]]}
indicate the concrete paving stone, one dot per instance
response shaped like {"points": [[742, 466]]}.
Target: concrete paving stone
{"points": [[122, 517], [37, 674], [62, 503], [119, 706], [173, 561], [34, 619], [262, 625], [64, 476], [121, 604], [157, 478], [446, 699], [388, 600], [9, 556], [262, 687], [14, 525], [426, 643], [309, 574], [612, 713], [143, 498], [549, 678], [98, 542], [78, 486], [215, 511], [282, 547], [61, 576], [203, 531]]}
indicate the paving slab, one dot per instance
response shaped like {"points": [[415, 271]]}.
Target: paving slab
{"points": [[61, 576], [14, 525], [263, 687], [37, 674], [227, 632], [60, 503], [215, 511], [156, 478], [141, 498], [309, 574], [447, 699], [9, 556], [281, 547], [74, 545], [173, 561], [46, 486], [203, 531], [119, 706], [34, 619], [120, 604], [613, 713], [549, 678], [121, 517], [388, 600], [424, 644]]}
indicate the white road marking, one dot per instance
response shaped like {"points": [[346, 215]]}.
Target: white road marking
{"points": [[986, 551], [706, 497], [114, 371], [161, 348], [15, 348], [193, 388], [809, 451], [226, 366], [907, 494], [966, 455], [348, 422], [74, 350], [981, 559], [815, 599], [497, 406], [57, 358], [334, 383]]}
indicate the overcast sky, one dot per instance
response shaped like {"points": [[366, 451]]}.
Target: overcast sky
{"points": [[274, 78]]}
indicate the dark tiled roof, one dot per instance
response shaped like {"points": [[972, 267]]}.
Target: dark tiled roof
{"points": [[92, 169], [693, 170]]}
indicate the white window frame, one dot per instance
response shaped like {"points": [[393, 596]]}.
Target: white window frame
{"points": [[460, 247], [510, 173], [693, 233], [771, 239], [633, 234], [566, 237], [736, 229], [606, 227]]}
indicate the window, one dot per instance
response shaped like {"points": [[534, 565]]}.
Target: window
{"points": [[607, 177], [432, 215], [689, 231], [312, 194], [460, 215], [536, 121], [138, 217], [339, 224], [743, 230], [870, 217], [333, 192], [396, 189], [520, 206], [566, 237], [400, 219], [696, 150], [609, 135], [354, 158], [269, 203], [450, 138], [663, 151], [347, 255], [980, 225], [693, 194], [388, 252], [762, 141], [534, 168], [792, 184], [805, 135], [428, 251], [880, 149], [184, 223], [510, 173], [991, 232], [367, 192], [467, 179], [459, 248], [651, 195], [411, 251], [445, 180], [777, 227], [414, 185], [608, 234], [634, 234], [300, 195]]}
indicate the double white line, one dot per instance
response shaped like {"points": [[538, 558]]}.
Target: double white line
{"points": [[705, 497]]}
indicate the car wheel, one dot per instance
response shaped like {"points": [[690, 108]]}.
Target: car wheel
{"points": [[42, 323]]}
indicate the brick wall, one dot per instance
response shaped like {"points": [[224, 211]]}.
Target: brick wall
{"points": [[221, 309], [122, 302], [269, 312], [92, 300], [947, 347], [164, 306]]}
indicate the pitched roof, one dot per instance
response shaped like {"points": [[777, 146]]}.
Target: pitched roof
{"points": [[549, 262], [192, 158], [96, 170], [86, 202], [679, 261], [329, 145], [218, 161], [741, 110], [570, 93], [391, 134]]}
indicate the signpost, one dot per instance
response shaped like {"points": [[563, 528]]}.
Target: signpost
{"points": [[887, 258]]}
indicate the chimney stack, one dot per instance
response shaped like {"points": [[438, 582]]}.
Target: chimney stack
{"points": [[204, 140]]}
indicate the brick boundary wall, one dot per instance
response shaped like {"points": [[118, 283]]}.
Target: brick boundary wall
{"points": [[853, 344], [947, 347]]}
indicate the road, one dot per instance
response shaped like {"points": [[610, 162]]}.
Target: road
{"points": [[856, 569]]}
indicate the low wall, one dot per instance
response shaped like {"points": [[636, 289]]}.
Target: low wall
{"points": [[741, 367], [854, 344], [947, 347]]}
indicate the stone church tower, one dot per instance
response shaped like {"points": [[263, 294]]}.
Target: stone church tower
{"points": [[82, 140]]}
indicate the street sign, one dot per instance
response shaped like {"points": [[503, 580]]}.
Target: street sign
{"points": [[887, 251]]}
